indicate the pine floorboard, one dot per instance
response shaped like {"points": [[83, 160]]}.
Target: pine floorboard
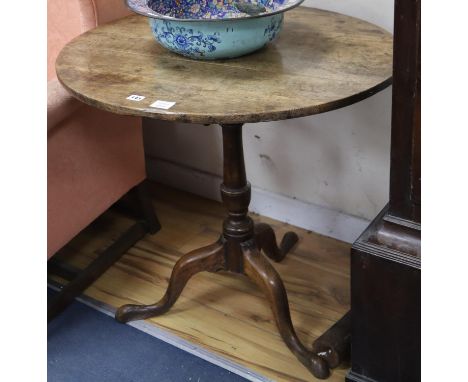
{"points": [[222, 313]]}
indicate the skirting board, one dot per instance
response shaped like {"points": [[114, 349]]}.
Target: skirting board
{"points": [[169, 338], [309, 216]]}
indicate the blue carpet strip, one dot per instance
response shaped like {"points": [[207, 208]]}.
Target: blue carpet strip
{"points": [[84, 345]]}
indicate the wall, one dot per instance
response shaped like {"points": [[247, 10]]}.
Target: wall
{"points": [[328, 173]]}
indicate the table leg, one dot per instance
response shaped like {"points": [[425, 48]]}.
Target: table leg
{"points": [[208, 258], [265, 239], [238, 250], [262, 273]]}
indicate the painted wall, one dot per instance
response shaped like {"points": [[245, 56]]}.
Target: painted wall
{"points": [[337, 160]]}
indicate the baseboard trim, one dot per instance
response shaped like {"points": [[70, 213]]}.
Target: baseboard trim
{"points": [[309, 216], [172, 339]]}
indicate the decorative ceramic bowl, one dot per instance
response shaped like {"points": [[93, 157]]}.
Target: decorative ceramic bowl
{"points": [[213, 29]]}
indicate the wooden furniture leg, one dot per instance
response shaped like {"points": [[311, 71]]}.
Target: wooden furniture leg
{"points": [[81, 280], [238, 251], [266, 240], [210, 258], [334, 346], [260, 271]]}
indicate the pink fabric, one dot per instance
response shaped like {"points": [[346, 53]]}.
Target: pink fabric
{"points": [[67, 19], [63, 24], [60, 104], [93, 158], [110, 10]]}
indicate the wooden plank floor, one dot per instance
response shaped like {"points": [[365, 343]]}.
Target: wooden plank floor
{"points": [[223, 313]]}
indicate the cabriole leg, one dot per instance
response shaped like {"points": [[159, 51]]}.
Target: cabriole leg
{"points": [[260, 271], [265, 239], [210, 258]]}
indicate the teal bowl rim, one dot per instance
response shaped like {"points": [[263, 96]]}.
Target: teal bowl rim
{"points": [[148, 12]]}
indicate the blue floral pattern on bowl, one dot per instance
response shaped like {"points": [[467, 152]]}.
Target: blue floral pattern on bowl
{"points": [[214, 10], [273, 29], [184, 40], [207, 9], [214, 29]]}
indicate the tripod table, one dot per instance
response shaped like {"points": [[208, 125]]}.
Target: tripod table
{"points": [[321, 61]]}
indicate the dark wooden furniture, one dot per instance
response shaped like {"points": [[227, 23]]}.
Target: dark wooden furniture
{"points": [[386, 259], [322, 61], [138, 203]]}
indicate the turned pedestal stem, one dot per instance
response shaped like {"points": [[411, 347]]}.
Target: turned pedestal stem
{"points": [[241, 247], [238, 250], [238, 227]]}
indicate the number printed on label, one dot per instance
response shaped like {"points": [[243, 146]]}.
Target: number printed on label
{"points": [[135, 97]]}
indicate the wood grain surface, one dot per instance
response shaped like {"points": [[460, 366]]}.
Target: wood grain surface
{"points": [[223, 313], [320, 62]]}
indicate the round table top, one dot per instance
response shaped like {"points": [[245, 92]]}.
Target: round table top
{"points": [[321, 61]]}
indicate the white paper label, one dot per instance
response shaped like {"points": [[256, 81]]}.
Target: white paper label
{"points": [[135, 97], [162, 104]]}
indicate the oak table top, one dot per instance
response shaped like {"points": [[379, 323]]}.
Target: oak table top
{"points": [[321, 61]]}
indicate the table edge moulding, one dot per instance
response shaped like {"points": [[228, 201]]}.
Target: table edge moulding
{"points": [[330, 69]]}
